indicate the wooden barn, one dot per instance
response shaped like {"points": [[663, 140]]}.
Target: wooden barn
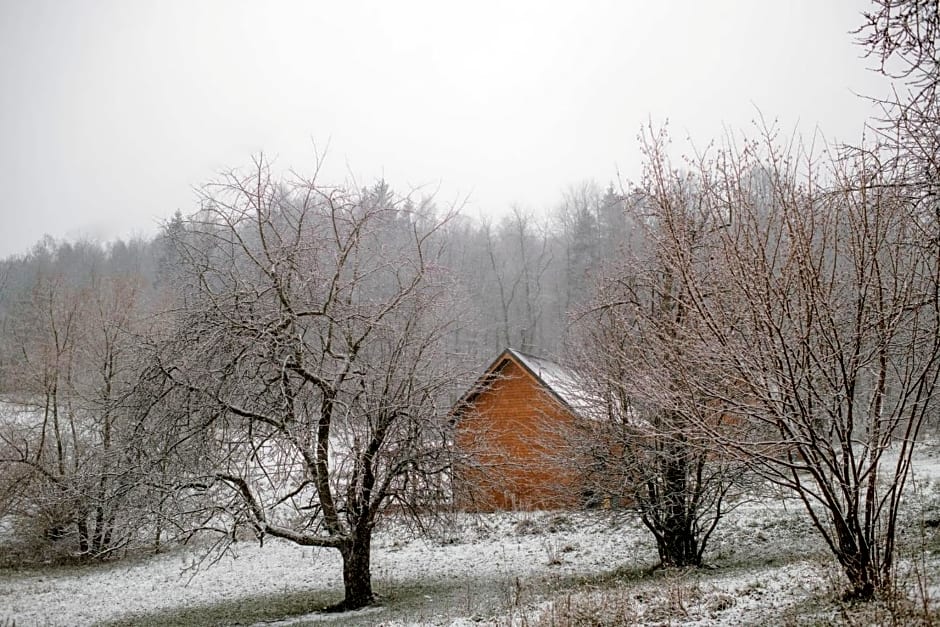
{"points": [[512, 432]]}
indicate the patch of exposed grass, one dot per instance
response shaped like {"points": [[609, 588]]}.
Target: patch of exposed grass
{"points": [[828, 608], [238, 611], [77, 567], [411, 602]]}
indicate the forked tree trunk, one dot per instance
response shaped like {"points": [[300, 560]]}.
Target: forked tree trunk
{"points": [[678, 546], [863, 577], [357, 574], [673, 519], [84, 546], [867, 574]]}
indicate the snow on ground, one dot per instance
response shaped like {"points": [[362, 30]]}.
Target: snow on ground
{"points": [[94, 594], [324, 617], [769, 559], [743, 599], [501, 550]]}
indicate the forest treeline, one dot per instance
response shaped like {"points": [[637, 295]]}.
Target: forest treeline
{"points": [[524, 275]]}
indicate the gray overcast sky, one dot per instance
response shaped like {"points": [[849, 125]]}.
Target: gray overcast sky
{"points": [[111, 112]]}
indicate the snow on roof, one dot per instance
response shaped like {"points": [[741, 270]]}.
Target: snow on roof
{"points": [[566, 386], [571, 390], [562, 382]]}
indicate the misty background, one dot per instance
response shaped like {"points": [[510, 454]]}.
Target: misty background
{"points": [[111, 113]]}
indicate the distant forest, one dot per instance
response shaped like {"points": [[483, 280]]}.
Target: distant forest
{"points": [[521, 277]]}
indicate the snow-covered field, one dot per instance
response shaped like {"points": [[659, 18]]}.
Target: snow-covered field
{"points": [[496, 567], [509, 568]]}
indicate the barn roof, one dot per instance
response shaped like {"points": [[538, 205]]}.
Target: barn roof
{"points": [[560, 382]]}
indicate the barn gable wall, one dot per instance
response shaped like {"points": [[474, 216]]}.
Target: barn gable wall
{"points": [[513, 436]]}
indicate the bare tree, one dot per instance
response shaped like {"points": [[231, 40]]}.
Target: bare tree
{"points": [[72, 370], [635, 343], [534, 258], [507, 283], [903, 37], [518, 256], [820, 316], [310, 343]]}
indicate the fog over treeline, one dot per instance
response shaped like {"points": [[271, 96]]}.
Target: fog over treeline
{"points": [[524, 275]]}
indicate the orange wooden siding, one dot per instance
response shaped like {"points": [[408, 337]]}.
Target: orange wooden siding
{"points": [[512, 436]]}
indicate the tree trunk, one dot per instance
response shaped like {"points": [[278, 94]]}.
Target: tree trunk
{"points": [[864, 575], [357, 574], [83, 537], [679, 551], [677, 542]]}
